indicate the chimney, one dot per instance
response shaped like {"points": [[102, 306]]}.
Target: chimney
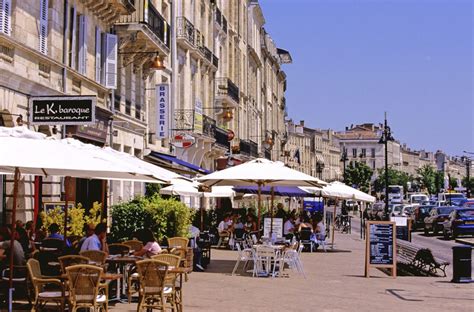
{"points": [[347, 128], [302, 123]]}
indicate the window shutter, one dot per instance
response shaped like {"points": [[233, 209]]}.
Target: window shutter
{"points": [[98, 54], [73, 38], [43, 27], [5, 16], [111, 61], [82, 59]]}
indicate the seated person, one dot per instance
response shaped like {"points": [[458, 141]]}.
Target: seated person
{"points": [[195, 232], [238, 224], [150, 245], [305, 224], [54, 233], [97, 241], [250, 225], [289, 227], [225, 227], [5, 243], [320, 230], [88, 232]]}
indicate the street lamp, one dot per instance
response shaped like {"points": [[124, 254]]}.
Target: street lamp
{"points": [[344, 159], [384, 139]]}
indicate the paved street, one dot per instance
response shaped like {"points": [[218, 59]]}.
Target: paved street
{"points": [[334, 282]]}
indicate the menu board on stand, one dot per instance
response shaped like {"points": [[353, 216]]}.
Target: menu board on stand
{"points": [[380, 246]]}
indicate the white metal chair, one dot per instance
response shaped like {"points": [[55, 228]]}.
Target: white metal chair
{"points": [[245, 254], [292, 258], [265, 256]]}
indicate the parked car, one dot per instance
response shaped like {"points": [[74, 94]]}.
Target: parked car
{"points": [[396, 210], [433, 222], [407, 211], [467, 203], [460, 221], [419, 215]]}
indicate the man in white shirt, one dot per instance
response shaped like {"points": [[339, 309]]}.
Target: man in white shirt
{"points": [[289, 227], [98, 240], [224, 228]]}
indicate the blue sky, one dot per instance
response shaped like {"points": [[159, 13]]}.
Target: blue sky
{"points": [[355, 59]]}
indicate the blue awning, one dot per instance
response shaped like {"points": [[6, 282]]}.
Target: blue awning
{"points": [[179, 162]]}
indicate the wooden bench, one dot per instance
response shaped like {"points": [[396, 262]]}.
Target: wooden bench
{"points": [[419, 257]]}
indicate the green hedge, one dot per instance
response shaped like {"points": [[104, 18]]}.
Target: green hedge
{"points": [[165, 217]]}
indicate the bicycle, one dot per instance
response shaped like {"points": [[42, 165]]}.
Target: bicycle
{"points": [[341, 223]]}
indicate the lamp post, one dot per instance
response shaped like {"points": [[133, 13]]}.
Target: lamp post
{"points": [[344, 159], [384, 139]]}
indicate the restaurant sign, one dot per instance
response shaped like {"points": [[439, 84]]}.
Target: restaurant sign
{"points": [[62, 110], [162, 103]]}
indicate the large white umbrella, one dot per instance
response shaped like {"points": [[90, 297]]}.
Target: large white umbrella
{"points": [[340, 191], [24, 151], [260, 172]]}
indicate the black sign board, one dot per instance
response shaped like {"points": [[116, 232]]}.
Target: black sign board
{"points": [[65, 110], [403, 233], [380, 246]]}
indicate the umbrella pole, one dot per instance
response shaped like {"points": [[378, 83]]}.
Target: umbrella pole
{"points": [[201, 201], [66, 195], [12, 238], [259, 205], [271, 213], [333, 225]]}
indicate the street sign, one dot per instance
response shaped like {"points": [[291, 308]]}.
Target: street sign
{"points": [[62, 110], [183, 140], [380, 246]]}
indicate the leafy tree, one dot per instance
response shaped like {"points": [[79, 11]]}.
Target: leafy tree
{"points": [[427, 177], [469, 184], [358, 174], [395, 177]]}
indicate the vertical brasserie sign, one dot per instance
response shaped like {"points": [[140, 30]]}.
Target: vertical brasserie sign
{"points": [[65, 110], [162, 101]]}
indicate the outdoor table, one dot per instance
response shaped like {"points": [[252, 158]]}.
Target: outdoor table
{"points": [[121, 262]]}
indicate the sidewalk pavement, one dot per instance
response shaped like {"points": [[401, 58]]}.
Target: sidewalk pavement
{"points": [[335, 282]]}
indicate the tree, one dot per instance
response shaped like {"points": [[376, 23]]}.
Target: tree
{"points": [[395, 177], [427, 177], [358, 175], [469, 184]]}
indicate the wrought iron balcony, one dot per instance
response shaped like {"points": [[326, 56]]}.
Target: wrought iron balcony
{"points": [[148, 20], [224, 24], [207, 53], [249, 148], [110, 10], [222, 138], [208, 126], [215, 61], [218, 16], [184, 120], [185, 31], [226, 88]]}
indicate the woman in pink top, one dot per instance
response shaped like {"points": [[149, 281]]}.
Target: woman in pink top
{"points": [[151, 247]]}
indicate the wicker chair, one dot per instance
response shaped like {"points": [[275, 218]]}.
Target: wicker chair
{"points": [[178, 242], [84, 281], [43, 297], [119, 249], [97, 256], [66, 261], [154, 294], [134, 244]]}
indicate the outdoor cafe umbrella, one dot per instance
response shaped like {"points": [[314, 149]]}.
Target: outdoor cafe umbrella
{"points": [[23, 151], [261, 172]]}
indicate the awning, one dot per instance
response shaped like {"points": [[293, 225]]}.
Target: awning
{"points": [[288, 191], [180, 162]]}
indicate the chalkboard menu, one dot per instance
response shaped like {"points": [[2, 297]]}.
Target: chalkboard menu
{"points": [[380, 246]]}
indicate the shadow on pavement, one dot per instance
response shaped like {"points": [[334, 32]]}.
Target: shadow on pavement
{"points": [[395, 292]]}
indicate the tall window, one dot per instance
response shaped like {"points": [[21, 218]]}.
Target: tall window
{"points": [[354, 152], [373, 154], [363, 153], [6, 17]]}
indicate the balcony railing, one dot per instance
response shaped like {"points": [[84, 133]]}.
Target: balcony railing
{"points": [[185, 29], [208, 126], [215, 61], [225, 87], [249, 148], [148, 15], [224, 24], [184, 119], [218, 16], [268, 154], [207, 53], [221, 136]]}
